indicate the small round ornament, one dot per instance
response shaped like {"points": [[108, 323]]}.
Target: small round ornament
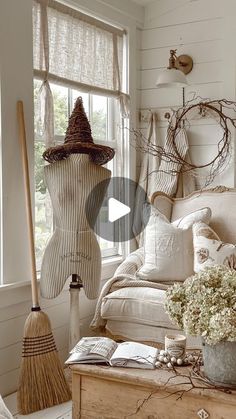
{"points": [[161, 358], [158, 364], [173, 360], [179, 361], [169, 365]]}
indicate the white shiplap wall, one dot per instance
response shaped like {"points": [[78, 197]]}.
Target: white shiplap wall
{"points": [[16, 83], [205, 30]]}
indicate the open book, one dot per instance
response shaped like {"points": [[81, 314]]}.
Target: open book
{"points": [[93, 350]]}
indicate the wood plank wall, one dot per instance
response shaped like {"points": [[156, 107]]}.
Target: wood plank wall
{"points": [[197, 28]]}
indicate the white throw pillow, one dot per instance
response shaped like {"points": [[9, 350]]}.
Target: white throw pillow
{"points": [[168, 247], [209, 250]]}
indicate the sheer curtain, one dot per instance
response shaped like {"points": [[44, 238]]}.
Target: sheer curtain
{"points": [[78, 51]]}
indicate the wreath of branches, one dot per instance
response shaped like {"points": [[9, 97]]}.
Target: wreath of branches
{"points": [[223, 111]]}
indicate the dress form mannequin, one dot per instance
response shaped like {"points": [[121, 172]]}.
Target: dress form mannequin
{"points": [[73, 247]]}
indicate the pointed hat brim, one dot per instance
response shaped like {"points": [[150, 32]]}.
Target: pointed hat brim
{"points": [[99, 154], [79, 140]]}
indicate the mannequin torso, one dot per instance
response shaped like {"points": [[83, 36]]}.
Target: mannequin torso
{"points": [[73, 247]]}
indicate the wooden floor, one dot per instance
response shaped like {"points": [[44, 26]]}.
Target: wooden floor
{"points": [[62, 411]]}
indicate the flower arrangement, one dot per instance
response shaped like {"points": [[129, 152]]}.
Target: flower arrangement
{"points": [[205, 304]]}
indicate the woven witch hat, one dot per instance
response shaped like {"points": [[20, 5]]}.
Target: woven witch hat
{"points": [[79, 140]]}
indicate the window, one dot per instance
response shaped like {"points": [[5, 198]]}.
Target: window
{"points": [[75, 53], [106, 59], [104, 119]]}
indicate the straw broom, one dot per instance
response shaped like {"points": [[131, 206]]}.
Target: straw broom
{"points": [[42, 383]]}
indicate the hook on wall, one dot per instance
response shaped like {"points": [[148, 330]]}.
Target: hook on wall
{"points": [[167, 115]]}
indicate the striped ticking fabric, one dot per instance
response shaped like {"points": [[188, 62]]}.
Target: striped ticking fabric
{"points": [[73, 247], [166, 179]]}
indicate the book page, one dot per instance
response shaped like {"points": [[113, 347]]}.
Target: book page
{"points": [[136, 353], [94, 347], [104, 348]]}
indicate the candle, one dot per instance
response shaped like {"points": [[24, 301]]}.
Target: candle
{"points": [[175, 345]]}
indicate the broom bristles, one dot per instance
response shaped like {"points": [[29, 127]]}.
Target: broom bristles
{"points": [[42, 382]]}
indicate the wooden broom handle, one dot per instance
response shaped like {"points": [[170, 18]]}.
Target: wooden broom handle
{"points": [[23, 147]]}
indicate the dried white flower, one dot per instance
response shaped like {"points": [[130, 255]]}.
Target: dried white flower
{"points": [[205, 304]]}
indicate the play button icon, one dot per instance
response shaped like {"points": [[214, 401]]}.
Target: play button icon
{"points": [[113, 218], [116, 210]]}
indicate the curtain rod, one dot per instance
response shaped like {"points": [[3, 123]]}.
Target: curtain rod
{"points": [[62, 8]]}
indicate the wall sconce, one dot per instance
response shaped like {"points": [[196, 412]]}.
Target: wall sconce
{"points": [[174, 75]]}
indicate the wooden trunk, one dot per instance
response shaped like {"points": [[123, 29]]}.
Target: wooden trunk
{"points": [[114, 393]]}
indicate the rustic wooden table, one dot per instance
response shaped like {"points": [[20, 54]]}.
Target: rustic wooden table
{"points": [[103, 392]]}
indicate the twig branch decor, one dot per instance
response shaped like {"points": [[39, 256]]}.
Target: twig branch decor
{"points": [[222, 110], [192, 379]]}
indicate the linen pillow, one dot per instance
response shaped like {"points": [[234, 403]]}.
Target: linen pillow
{"points": [[168, 247], [209, 250]]}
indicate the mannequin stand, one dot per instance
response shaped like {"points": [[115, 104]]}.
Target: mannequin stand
{"points": [[74, 333]]}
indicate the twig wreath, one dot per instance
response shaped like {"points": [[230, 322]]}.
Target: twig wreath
{"points": [[223, 111]]}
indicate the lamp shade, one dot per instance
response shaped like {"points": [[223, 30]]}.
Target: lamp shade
{"points": [[171, 77]]}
